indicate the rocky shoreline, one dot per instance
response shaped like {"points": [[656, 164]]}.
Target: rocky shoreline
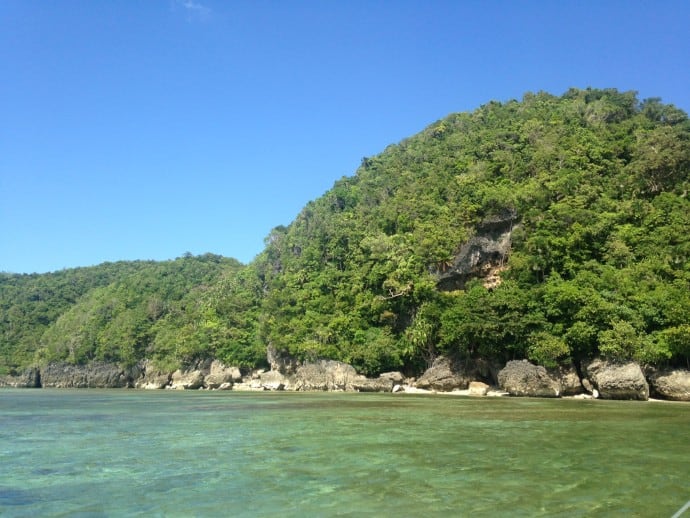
{"points": [[599, 379]]}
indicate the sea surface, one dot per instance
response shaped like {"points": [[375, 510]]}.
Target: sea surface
{"points": [[181, 453]]}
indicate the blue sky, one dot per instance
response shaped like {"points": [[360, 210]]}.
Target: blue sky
{"points": [[144, 130]]}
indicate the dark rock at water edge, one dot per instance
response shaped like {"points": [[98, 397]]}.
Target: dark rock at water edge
{"points": [[30, 378], [614, 380], [92, 375]]}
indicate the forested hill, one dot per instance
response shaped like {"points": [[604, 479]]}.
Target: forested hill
{"points": [[551, 228], [113, 312]]}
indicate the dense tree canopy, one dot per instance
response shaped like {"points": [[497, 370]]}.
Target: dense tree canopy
{"points": [[600, 248], [595, 183]]}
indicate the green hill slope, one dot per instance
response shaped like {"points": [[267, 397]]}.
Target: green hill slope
{"points": [[591, 191], [552, 228], [119, 312]]}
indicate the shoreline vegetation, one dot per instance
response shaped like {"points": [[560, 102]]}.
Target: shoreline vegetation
{"points": [[538, 246]]}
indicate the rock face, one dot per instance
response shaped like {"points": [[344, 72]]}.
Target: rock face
{"points": [[444, 375], [522, 378], [187, 380], [92, 375], [221, 375], [321, 375], [325, 375], [673, 384], [151, 377], [570, 382], [204, 374], [482, 254], [274, 380], [281, 361], [30, 378], [618, 380]]}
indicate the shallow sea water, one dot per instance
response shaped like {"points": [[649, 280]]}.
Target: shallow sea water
{"points": [[176, 453]]}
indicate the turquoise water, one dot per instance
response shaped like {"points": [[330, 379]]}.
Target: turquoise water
{"points": [[170, 453]]}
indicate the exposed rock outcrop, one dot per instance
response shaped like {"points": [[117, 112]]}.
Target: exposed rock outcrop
{"points": [[274, 380], [30, 378], [673, 384], [522, 378], [220, 375], [325, 375], [187, 379], [92, 375], [380, 384], [151, 377], [444, 375], [281, 361], [618, 380], [569, 380], [482, 255]]}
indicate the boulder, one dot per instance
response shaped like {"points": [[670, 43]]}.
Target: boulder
{"points": [[187, 379], [220, 374], [673, 384], [380, 384], [444, 375], [618, 380], [478, 388], [522, 378], [325, 375], [396, 377]]}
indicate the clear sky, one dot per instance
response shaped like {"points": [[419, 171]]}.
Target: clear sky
{"points": [[144, 130]]}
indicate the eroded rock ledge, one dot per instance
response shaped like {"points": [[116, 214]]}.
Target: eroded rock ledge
{"points": [[599, 379]]}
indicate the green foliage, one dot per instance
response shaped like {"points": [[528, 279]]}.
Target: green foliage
{"points": [[620, 342], [599, 261], [147, 309], [547, 349], [599, 183]]}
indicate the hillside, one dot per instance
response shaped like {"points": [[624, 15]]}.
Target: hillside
{"points": [[117, 312], [551, 228], [591, 190]]}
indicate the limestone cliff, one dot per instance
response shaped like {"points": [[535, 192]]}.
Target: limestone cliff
{"points": [[483, 256]]}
